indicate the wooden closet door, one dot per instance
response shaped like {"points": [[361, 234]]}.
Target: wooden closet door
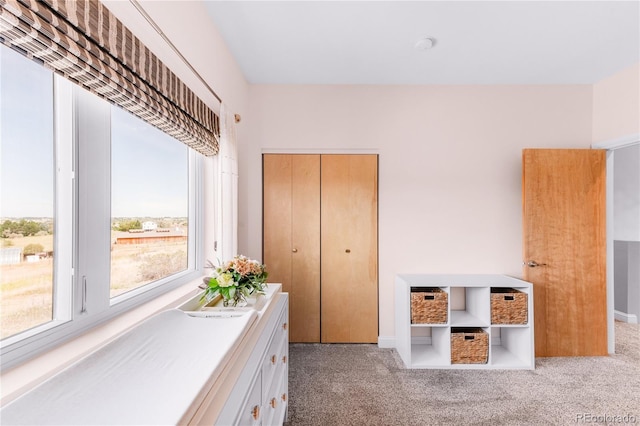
{"points": [[291, 237], [349, 241], [564, 249]]}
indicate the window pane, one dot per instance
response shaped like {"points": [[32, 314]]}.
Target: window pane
{"points": [[149, 203], [26, 193]]}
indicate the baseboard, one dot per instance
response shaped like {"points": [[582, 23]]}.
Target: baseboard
{"points": [[629, 318], [386, 341]]}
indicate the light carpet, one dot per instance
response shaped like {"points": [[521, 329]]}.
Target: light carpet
{"points": [[340, 384]]}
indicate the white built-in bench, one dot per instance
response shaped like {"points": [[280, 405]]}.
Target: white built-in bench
{"points": [[174, 368]]}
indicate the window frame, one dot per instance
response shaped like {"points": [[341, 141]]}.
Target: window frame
{"points": [[83, 178], [62, 275]]}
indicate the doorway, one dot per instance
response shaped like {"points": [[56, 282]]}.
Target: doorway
{"points": [[620, 289]]}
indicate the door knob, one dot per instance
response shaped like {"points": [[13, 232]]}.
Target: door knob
{"points": [[533, 264], [295, 250]]}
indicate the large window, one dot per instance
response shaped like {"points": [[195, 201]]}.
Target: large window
{"points": [[27, 183], [98, 209]]}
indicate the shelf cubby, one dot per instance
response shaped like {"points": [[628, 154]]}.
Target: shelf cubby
{"points": [[430, 346], [470, 306], [510, 347]]}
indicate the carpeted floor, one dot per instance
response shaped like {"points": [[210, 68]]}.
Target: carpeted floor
{"points": [[336, 384]]}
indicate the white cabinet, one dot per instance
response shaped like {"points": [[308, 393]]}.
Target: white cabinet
{"points": [[259, 395], [222, 366], [254, 390], [428, 345]]}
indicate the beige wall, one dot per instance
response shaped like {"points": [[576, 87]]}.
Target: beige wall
{"points": [[449, 155], [450, 173], [616, 105]]}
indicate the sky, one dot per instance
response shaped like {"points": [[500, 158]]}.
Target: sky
{"points": [[26, 135], [149, 168]]}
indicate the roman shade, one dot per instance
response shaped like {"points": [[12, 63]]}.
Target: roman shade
{"points": [[86, 43]]}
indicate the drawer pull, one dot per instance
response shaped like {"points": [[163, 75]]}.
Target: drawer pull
{"points": [[273, 359], [284, 397], [284, 359], [255, 413], [284, 326], [273, 402]]}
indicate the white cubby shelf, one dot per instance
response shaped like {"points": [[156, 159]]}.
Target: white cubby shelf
{"points": [[511, 346]]}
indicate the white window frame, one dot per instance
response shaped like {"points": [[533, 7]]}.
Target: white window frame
{"points": [[83, 221], [63, 217]]}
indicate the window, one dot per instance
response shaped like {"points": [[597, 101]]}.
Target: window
{"points": [[77, 172], [27, 194], [149, 203]]}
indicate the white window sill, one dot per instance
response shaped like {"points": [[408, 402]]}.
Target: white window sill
{"points": [[29, 374]]}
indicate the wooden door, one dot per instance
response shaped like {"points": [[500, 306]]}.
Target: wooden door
{"points": [[291, 237], [349, 241], [564, 234]]}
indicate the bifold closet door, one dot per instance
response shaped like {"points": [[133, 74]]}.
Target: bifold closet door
{"points": [[291, 237], [349, 248]]}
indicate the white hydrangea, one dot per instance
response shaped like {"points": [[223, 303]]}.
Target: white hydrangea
{"points": [[225, 280]]}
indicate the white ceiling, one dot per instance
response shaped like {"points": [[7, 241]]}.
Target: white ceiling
{"points": [[477, 42]]}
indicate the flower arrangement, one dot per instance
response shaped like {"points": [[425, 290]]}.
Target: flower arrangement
{"points": [[235, 280]]}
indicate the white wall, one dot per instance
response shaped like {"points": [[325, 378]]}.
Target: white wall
{"points": [[616, 116], [616, 105], [450, 164], [626, 193]]}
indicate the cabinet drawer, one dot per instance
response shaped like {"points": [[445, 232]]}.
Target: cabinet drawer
{"points": [[275, 358], [252, 411], [275, 405]]}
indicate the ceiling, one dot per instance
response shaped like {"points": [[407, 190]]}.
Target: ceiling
{"points": [[476, 42]]}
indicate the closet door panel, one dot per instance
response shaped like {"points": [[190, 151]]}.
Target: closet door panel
{"points": [[291, 237], [277, 218], [349, 248], [305, 253]]}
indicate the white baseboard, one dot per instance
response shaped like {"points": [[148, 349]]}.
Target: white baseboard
{"points": [[629, 318], [386, 341]]}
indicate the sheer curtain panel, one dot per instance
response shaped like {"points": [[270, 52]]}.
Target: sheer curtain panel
{"points": [[227, 179], [86, 43]]}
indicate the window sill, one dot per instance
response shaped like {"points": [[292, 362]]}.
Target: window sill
{"points": [[29, 374]]}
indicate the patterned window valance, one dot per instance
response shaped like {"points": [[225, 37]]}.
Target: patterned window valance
{"points": [[83, 41]]}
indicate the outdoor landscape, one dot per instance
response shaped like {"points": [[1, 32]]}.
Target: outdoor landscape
{"points": [[138, 257]]}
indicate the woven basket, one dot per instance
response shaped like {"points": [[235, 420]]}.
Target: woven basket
{"points": [[508, 306], [428, 305], [469, 346]]}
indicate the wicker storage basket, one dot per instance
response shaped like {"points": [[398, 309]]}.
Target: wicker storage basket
{"points": [[428, 305], [469, 346], [508, 306]]}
